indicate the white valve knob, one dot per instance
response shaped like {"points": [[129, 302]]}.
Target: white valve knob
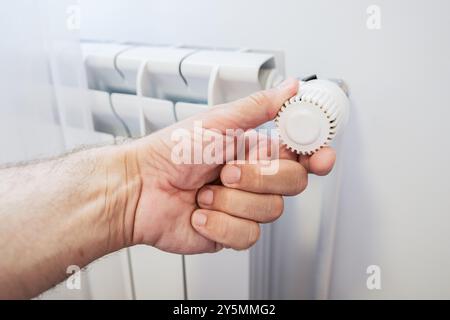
{"points": [[311, 119]]}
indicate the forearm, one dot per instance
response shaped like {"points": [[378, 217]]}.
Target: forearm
{"points": [[63, 212]]}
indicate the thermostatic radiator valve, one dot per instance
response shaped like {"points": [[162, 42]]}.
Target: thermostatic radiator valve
{"points": [[312, 118]]}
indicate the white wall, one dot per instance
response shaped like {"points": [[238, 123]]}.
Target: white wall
{"points": [[394, 204]]}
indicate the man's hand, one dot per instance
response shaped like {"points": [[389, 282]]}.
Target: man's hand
{"points": [[185, 208], [74, 209]]}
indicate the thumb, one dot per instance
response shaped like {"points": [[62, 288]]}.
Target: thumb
{"points": [[252, 111]]}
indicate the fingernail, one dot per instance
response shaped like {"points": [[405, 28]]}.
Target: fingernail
{"points": [[231, 174], [199, 219], [206, 197]]}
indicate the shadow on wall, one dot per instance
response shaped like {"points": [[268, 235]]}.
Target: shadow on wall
{"points": [[348, 240], [294, 244]]}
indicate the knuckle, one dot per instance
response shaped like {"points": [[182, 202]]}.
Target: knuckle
{"points": [[223, 231], [259, 98], [250, 209], [251, 176], [257, 178], [225, 198]]}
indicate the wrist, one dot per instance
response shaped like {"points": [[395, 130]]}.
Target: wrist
{"points": [[120, 193]]}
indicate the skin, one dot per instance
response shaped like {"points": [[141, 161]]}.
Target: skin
{"points": [[77, 208]]}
